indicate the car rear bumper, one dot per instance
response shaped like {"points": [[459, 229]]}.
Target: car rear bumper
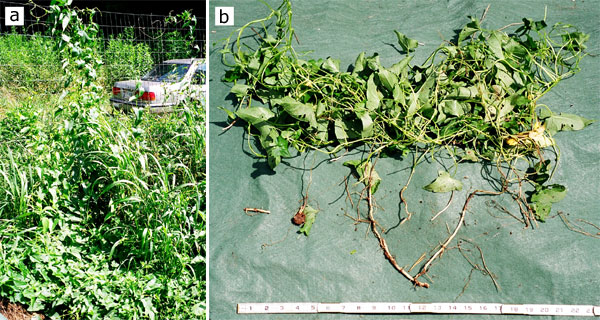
{"points": [[154, 107]]}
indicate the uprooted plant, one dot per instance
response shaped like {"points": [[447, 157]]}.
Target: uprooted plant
{"points": [[475, 99]]}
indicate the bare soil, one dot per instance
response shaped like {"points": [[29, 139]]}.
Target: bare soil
{"points": [[14, 311]]}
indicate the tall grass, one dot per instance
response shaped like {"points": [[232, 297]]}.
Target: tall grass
{"points": [[27, 63]]}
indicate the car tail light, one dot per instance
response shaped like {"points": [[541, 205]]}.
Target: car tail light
{"points": [[116, 91], [148, 96]]}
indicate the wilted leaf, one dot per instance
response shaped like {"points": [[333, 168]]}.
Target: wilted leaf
{"points": [[537, 135], [310, 214], [444, 183]]}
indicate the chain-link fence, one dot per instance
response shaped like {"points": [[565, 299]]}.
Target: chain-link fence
{"points": [[129, 44]]}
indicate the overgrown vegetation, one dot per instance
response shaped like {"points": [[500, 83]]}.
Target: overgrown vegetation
{"points": [[102, 215], [475, 99], [29, 61]]}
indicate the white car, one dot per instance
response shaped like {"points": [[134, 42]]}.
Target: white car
{"points": [[168, 84]]}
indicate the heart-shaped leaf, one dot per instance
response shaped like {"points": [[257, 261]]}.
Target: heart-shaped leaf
{"points": [[444, 183]]}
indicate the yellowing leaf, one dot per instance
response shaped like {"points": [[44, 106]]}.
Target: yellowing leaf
{"points": [[512, 142], [538, 136]]}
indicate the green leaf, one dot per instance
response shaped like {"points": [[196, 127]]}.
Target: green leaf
{"points": [[331, 65], [230, 114], [362, 169], [298, 110], [310, 214], [367, 124], [282, 145], [576, 39], [424, 91], [398, 95], [545, 113], [254, 115], [405, 42], [453, 108], [240, 90], [254, 64], [359, 64], [502, 76], [413, 104], [513, 47], [565, 122], [273, 157], [469, 29], [340, 130], [322, 132], [495, 44], [544, 197], [373, 98], [387, 78], [540, 173], [464, 92], [373, 62], [444, 183], [400, 66], [505, 109], [470, 156], [149, 309]]}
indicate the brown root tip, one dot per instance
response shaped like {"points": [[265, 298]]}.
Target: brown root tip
{"points": [[299, 218]]}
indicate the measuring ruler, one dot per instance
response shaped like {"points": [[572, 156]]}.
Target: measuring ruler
{"points": [[406, 308]]}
